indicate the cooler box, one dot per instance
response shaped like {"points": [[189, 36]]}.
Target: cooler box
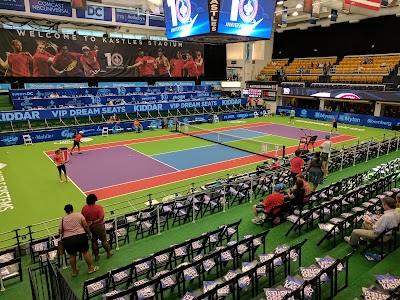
{"points": [[65, 153]]}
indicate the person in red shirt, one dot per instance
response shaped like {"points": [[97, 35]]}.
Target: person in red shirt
{"points": [[89, 61], [60, 163], [94, 216], [162, 64], [42, 60], [64, 59], [199, 63], [275, 199], [145, 63], [17, 63], [190, 66], [177, 65], [77, 142], [296, 165]]}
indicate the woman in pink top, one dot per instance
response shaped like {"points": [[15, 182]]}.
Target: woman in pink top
{"points": [[75, 234], [296, 165]]}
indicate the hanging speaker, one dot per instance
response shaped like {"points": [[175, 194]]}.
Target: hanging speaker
{"points": [[313, 21], [334, 15]]}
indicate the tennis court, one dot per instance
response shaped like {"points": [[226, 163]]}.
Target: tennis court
{"points": [[128, 165]]}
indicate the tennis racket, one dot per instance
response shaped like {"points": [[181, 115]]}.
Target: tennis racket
{"points": [[70, 67]]}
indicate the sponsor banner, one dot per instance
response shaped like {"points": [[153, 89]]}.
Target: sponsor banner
{"points": [[213, 83], [51, 7], [262, 85], [59, 85], [344, 118], [37, 94], [110, 99], [67, 113], [64, 133], [87, 56], [18, 5], [130, 16], [94, 12], [173, 83], [5, 87], [343, 94], [122, 84], [156, 21]]}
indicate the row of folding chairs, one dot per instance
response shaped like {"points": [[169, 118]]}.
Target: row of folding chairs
{"points": [[179, 275], [154, 287], [10, 266]]}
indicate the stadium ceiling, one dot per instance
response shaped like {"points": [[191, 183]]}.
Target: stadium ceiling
{"points": [[296, 18]]}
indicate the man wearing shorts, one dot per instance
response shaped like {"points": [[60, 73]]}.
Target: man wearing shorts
{"points": [[292, 115], [325, 153], [60, 163], [77, 143], [334, 125], [94, 215]]}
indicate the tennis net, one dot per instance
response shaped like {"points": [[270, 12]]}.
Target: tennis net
{"points": [[268, 150]]}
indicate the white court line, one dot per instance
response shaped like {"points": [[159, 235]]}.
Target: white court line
{"points": [[153, 158], [69, 179]]}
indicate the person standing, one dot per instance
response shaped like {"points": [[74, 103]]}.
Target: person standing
{"points": [[314, 169], [89, 61], [292, 115], [326, 152], [190, 66], [162, 64], [60, 163], [94, 216], [296, 165], [177, 65], [42, 60], [17, 63], [75, 235], [77, 142], [334, 124], [199, 61], [370, 230]]}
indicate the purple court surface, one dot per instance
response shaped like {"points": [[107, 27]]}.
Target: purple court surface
{"points": [[100, 168], [289, 131]]}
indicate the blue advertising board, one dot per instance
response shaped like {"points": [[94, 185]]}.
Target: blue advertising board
{"points": [[212, 83], [172, 83], [345, 118], [58, 85], [11, 139], [18, 5], [130, 16], [101, 91], [186, 18], [5, 87], [104, 100], [56, 113], [252, 18], [122, 84], [95, 12], [51, 7], [157, 21], [343, 94]]}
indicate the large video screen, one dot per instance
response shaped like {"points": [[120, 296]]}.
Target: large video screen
{"points": [[252, 18], [186, 18]]}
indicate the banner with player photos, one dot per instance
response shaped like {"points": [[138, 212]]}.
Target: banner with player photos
{"points": [[26, 53]]}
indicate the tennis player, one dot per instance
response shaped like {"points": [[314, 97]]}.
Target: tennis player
{"points": [[199, 61], [67, 63], [177, 65], [17, 63], [77, 142], [334, 124], [89, 61], [42, 60], [145, 64], [190, 66], [60, 163], [162, 64]]}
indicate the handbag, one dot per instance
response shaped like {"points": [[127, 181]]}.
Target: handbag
{"points": [[60, 246]]}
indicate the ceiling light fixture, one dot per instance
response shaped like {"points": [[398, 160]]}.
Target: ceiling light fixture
{"points": [[295, 13], [299, 5], [279, 2]]}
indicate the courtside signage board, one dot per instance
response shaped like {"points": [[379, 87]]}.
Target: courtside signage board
{"points": [[129, 16], [51, 7], [157, 21], [250, 18], [18, 5], [5, 87], [185, 18], [59, 85], [122, 84]]}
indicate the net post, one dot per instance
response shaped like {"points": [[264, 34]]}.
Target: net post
{"points": [[158, 220]]}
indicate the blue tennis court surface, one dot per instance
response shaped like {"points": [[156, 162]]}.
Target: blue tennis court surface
{"points": [[231, 135], [198, 157]]}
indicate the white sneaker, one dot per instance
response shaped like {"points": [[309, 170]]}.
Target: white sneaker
{"points": [[256, 221], [347, 239]]}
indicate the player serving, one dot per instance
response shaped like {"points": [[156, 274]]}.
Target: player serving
{"points": [[60, 163]]}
